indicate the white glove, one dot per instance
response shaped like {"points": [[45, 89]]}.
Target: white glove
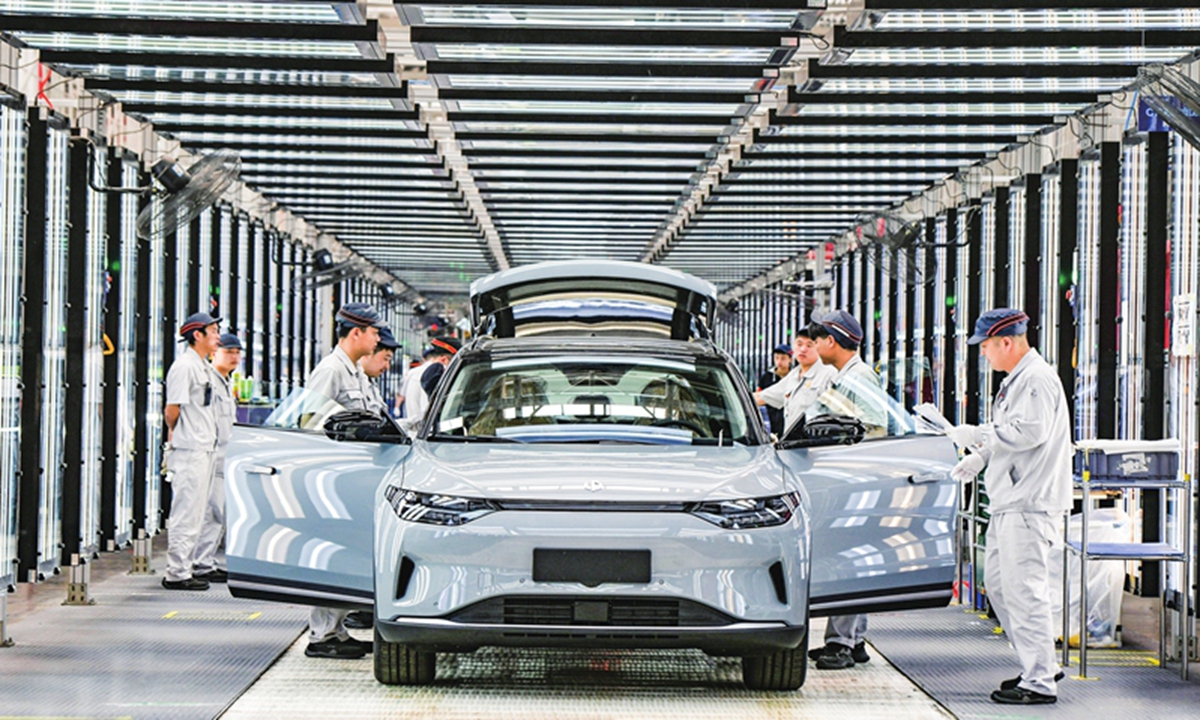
{"points": [[964, 436], [968, 468]]}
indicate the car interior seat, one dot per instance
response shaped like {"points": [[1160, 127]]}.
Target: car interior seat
{"points": [[512, 401]]}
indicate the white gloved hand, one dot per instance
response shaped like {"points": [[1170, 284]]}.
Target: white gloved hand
{"points": [[964, 436], [968, 468]]}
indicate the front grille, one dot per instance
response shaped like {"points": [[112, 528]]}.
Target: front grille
{"points": [[591, 611]]}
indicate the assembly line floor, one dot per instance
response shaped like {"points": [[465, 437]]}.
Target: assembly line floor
{"points": [[144, 652]]}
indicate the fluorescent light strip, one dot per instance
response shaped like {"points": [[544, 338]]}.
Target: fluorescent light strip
{"points": [[269, 122], [928, 176], [319, 170], [868, 147], [273, 182], [583, 187], [492, 16], [874, 131], [702, 110], [589, 53], [227, 75], [851, 163], [569, 148], [478, 161], [584, 83], [298, 100], [1127, 19], [301, 12], [633, 127], [215, 46], [1016, 55], [901, 86], [345, 141], [934, 109], [489, 175], [399, 161]]}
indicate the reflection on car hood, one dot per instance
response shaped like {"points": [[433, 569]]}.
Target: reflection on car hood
{"points": [[593, 473]]}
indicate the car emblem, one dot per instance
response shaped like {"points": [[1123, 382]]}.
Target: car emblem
{"points": [[593, 486]]}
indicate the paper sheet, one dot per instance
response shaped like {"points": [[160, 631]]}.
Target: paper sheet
{"points": [[930, 414]]}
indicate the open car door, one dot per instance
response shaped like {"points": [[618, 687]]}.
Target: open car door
{"points": [[884, 518], [300, 507], [593, 297]]}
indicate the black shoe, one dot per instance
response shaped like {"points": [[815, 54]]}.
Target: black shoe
{"points": [[817, 652], [836, 657], [1010, 684], [191, 583], [367, 646], [214, 576], [350, 649], [1021, 696], [859, 653], [360, 620]]}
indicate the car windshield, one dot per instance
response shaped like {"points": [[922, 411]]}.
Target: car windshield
{"points": [[859, 394], [594, 399], [302, 410]]}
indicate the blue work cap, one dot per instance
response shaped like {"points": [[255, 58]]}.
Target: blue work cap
{"points": [[196, 321], [783, 348], [842, 326], [999, 323], [359, 315], [387, 341], [229, 341]]}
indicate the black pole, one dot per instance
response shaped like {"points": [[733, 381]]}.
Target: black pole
{"points": [[1068, 238], [144, 320], [110, 430], [1108, 302], [1032, 301], [973, 281], [949, 314], [37, 160], [75, 351]]}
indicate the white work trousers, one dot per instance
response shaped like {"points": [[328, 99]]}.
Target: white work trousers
{"points": [[191, 481], [1020, 548], [326, 624], [847, 630], [212, 529]]}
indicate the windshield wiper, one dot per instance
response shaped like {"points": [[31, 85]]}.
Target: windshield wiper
{"points": [[473, 438]]}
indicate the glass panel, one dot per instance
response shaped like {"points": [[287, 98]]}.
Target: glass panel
{"points": [[239, 100], [998, 110], [1016, 55], [12, 232], [585, 83], [574, 17], [248, 76], [839, 131], [54, 351], [1016, 247], [156, 381], [1052, 284], [599, 108], [1087, 296], [127, 421], [1131, 368], [901, 86], [987, 270], [592, 53], [96, 282]]}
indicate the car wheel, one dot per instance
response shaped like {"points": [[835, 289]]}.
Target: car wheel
{"points": [[785, 670], [400, 664]]}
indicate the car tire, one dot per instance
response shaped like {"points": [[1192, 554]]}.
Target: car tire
{"points": [[785, 670], [400, 664]]}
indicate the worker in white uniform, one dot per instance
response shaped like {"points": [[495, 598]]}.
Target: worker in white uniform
{"points": [[415, 399], [427, 376], [339, 378], [190, 414], [1025, 456], [854, 392], [225, 360], [801, 387], [374, 365]]}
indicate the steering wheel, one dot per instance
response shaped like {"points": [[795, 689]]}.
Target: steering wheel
{"points": [[680, 422]]}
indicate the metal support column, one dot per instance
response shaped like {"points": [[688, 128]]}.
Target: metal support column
{"points": [[974, 235], [1154, 287], [146, 316], [1032, 299], [950, 311], [1108, 270], [112, 359], [1068, 238], [37, 160], [76, 357]]}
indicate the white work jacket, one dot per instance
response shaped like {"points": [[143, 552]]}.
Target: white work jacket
{"points": [[341, 380], [797, 391], [1027, 445], [191, 385]]}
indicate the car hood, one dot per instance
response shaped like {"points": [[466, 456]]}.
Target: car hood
{"points": [[593, 473]]}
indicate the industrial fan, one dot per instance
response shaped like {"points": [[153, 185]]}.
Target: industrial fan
{"points": [[187, 192], [886, 240], [1184, 115]]}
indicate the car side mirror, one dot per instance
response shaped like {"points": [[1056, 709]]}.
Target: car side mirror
{"points": [[824, 430], [363, 426]]}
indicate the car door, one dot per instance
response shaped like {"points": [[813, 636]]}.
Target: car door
{"points": [[883, 522], [300, 515]]}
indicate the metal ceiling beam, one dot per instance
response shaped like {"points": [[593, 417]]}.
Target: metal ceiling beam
{"points": [[669, 4], [1117, 70], [555, 116], [1001, 4], [598, 96], [93, 25], [914, 140], [600, 69], [612, 137], [254, 111], [250, 144], [850, 39], [748, 155], [472, 154], [92, 58], [111, 85], [481, 170], [932, 119], [614, 38], [250, 131], [823, 98]]}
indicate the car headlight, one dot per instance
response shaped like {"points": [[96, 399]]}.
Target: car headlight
{"points": [[436, 509], [748, 513]]}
